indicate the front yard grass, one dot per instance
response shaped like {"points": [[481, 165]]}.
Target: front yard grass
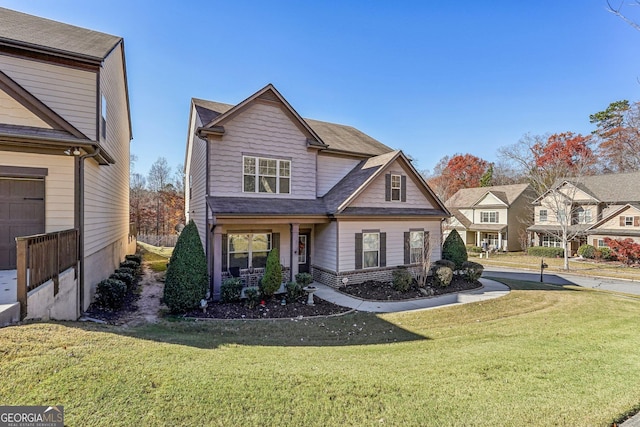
{"points": [[157, 257], [542, 355], [583, 267]]}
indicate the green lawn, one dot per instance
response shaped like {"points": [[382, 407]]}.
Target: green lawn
{"points": [[157, 257], [583, 267], [542, 355]]}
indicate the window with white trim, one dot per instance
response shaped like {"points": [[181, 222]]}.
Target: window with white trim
{"points": [[628, 221], [491, 217], [601, 243], [544, 215], [248, 250], [264, 175], [583, 216], [551, 241], [396, 187], [370, 250], [416, 246]]}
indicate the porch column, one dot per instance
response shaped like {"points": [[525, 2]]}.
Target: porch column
{"points": [[217, 262], [478, 238], [295, 246], [499, 240]]}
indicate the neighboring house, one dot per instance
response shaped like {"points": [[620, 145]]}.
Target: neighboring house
{"points": [[497, 215], [65, 130], [599, 206], [335, 202]]}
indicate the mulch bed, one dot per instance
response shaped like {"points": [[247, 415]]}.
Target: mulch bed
{"points": [[273, 309], [113, 317], [383, 291]]}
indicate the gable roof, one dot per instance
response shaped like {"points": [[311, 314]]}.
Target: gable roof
{"points": [[614, 214], [327, 136], [606, 188], [470, 197], [32, 32]]}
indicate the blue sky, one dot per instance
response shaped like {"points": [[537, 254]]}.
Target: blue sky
{"points": [[430, 78]]}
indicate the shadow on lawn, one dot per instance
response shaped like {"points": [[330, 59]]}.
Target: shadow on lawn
{"points": [[347, 330], [529, 281]]}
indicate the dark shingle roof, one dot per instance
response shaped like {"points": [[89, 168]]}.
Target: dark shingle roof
{"points": [[265, 206], [467, 197], [337, 137], [17, 28], [393, 212], [611, 188]]}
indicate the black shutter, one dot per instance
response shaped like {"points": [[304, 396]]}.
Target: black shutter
{"points": [[358, 246], [225, 250], [403, 188], [387, 187], [497, 216], [407, 248], [383, 249], [275, 242]]}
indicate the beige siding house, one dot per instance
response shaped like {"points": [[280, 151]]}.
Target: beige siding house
{"points": [[596, 207], [65, 130], [335, 202], [497, 216]]}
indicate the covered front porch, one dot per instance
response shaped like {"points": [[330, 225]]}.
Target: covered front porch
{"points": [[493, 236]]}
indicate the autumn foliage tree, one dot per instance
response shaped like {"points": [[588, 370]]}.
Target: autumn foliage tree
{"points": [[626, 250], [460, 171], [618, 136]]}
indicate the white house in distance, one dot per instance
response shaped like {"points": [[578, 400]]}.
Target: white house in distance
{"points": [[498, 215], [334, 201], [65, 130]]}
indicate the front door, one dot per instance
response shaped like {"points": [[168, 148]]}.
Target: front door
{"points": [[304, 252], [21, 214]]}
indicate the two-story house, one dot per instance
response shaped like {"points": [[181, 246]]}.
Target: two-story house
{"points": [[65, 130], [333, 201], [591, 207], [497, 215]]}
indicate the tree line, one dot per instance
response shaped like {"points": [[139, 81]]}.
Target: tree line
{"points": [[612, 147], [156, 200]]}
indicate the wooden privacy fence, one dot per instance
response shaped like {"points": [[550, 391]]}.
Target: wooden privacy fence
{"points": [[41, 258], [167, 240]]}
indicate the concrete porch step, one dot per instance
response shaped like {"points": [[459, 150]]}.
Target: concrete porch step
{"points": [[9, 314]]}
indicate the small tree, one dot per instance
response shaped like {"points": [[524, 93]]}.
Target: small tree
{"points": [[425, 262], [454, 249], [625, 250], [186, 279], [272, 278]]}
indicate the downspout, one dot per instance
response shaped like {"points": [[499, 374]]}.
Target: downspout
{"points": [[208, 231], [80, 216]]}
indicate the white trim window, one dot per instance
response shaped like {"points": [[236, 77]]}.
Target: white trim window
{"points": [[264, 175], [583, 216], [628, 221], [396, 187], [370, 250], [490, 217], [544, 215], [601, 243], [551, 241], [248, 250], [416, 246]]}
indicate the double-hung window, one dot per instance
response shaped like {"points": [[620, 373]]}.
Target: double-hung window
{"points": [[551, 241], [248, 249], [583, 216], [628, 221], [370, 250], [264, 175], [544, 215], [491, 217], [396, 186], [416, 246]]}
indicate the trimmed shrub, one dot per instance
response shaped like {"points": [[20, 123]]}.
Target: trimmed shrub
{"points": [[543, 251], [445, 263], [442, 276], [402, 279], [587, 251], [474, 249], [134, 257], [272, 278], [130, 264], [252, 294], [231, 289], [472, 270], [304, 279], [607, 254], [126, 270], [186, 280], [294, 290], [110, 293], [127, 278], [454, 249]]}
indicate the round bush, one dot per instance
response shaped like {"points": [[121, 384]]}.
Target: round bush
{"points": [[443, 276], [472, 271], [607, 254], [445, 263], [128, 279], [454, 249], [587, 251], [134, 257], [402, 279], [304, 279], [186, 279], [110, 293], [130, 264], [127, 270], [231, 290], [294, 290]]}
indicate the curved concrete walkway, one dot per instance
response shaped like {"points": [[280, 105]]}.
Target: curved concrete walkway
{"points": [[489, 290]]}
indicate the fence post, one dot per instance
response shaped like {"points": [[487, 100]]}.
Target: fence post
{"points": [[22, 254], [56, 278]]}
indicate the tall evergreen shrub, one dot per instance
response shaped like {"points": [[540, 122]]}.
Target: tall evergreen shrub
{"points": [[186, 280], [454, 249], [272, 278]]}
